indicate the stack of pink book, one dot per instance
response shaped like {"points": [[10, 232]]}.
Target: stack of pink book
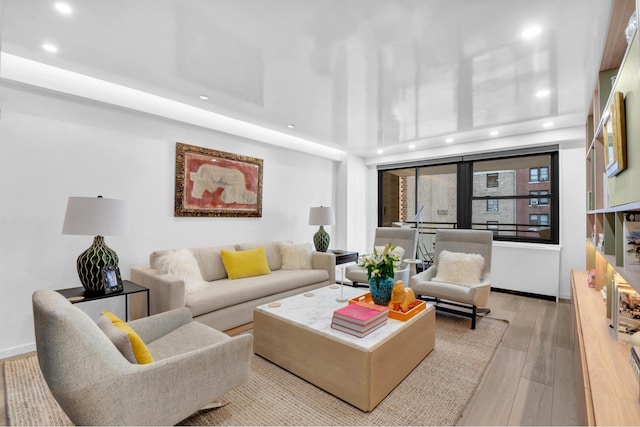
{"points": [[360, 318]]}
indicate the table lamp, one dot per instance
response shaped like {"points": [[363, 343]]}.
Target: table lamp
{"points": [[99, 217], [322, 215]]}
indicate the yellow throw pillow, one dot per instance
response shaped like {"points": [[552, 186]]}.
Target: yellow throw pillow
{"points": [[249, 263], [140, 350]]}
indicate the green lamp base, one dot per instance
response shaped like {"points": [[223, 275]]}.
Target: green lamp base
{"points": [[91, 262], [321, 240]]}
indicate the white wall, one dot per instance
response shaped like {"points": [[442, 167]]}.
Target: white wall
{"points": [[53, 147], [573, 225]]}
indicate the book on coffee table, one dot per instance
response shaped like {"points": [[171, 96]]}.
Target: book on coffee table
{"points": [[361, 313], [358, 331], [357, 327]]}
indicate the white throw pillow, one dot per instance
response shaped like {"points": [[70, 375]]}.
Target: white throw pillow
{"points": [[459, 268], [182, 264], [296, 256]]}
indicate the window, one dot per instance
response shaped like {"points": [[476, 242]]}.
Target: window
{"points": [[538, 201], [539, 174], [492, 180], [514, 194], [539, 219]]}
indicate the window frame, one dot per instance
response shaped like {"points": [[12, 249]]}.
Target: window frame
{"points": [[465, 198]]}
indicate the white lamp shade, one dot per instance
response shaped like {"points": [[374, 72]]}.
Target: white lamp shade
{"points": [[96, 216], [322, 215]]}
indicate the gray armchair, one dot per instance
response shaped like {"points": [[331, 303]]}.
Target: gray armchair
{"points": [[95, 385], [466, 299], [406, 238]]}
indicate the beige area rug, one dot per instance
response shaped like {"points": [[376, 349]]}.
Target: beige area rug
{"points": [[435, 393]]}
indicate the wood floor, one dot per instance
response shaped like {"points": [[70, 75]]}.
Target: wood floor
{"points": [[530, 380]]}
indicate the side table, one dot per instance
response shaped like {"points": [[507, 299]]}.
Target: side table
{"points": [[78, 295], [343, 257]]}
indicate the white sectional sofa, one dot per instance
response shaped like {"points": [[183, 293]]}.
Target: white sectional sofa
{"points": [[224, 303]]}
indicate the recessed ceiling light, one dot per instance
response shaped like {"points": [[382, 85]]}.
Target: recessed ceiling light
{"points": [[291, 126], [547, 124], [542, 93], [412, 146], [531, 32], [380, 151], [63, 8], [49, 47], [448, 140], [203, 97], [494, 133]]}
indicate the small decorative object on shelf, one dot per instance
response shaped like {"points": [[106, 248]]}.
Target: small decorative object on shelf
{"points": [[631, 230], [626, 311], [631, 27], [592, 278], [379, 268]]}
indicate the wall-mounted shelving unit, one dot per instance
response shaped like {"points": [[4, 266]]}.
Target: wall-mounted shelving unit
{"points": [[608, 391]]}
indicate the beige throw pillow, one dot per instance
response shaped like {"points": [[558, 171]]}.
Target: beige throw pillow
{"points": [[119, 338], [459, 268], [296, 256], [182, 264]]}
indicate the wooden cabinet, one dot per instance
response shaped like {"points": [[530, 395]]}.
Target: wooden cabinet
{"points": [[607, 389]]}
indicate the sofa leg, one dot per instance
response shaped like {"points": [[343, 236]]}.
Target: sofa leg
{"points": [[473, 317]]}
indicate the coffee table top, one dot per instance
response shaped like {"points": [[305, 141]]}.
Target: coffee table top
{"points": [[314, 310]]}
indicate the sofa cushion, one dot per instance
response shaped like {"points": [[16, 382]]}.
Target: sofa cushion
{"points": [[224, 293], [271, 251], [249, 263], [459, 268], [210, 261], [189, 337], [296, 257]]}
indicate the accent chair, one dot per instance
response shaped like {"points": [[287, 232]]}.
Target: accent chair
{"points": [[459, 281], [405, 238], [96, 385]]}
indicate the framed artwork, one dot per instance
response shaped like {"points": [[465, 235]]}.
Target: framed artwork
{"points": [[215, 183], [615, 137]]}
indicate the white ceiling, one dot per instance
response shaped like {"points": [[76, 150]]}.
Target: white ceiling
{"points": [[353, 75]]}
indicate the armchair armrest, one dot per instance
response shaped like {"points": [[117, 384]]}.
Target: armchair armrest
{"points": [[425, 276], [153, 327], [166, 292], [325, 261], [204, 375]]}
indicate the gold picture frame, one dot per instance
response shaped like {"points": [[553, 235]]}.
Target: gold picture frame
{"points": [[615, 137], [217, 184]]}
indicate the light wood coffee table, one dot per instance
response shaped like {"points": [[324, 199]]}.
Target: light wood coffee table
{"points": [[295, 333]]}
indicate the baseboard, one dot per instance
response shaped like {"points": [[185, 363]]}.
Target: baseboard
{"points": [[16, 351], [524, 294]]}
